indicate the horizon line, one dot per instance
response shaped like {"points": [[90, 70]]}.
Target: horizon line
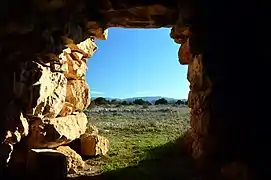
{"points": [[136, 97]]}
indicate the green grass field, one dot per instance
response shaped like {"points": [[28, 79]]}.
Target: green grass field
{"points": [[139, 137]]}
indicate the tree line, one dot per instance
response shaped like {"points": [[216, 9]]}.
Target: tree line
{"points": [[161, 101]]}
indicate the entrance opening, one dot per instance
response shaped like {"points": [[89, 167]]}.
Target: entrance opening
{"points": [[139, 103]]}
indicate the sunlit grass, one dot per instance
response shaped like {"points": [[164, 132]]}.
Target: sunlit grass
{"points": [[133, 136]]}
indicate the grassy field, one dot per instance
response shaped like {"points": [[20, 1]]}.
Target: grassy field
{"points": [[140, 138]]}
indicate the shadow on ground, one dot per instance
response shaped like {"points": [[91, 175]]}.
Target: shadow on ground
{"points": [[168, 162]]}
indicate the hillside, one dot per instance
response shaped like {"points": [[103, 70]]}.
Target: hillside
{"points": [[146, 98]]}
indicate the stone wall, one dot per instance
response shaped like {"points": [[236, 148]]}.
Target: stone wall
{"points": [[49, 95], [44, 49]]}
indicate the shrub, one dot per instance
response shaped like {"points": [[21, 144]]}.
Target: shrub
{"points": [[139, 102], [100, 101], [124, 103], [179, 102], [161, 101]]}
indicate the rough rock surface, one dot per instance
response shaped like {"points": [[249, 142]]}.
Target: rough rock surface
{"points": [[43, 92], [51, 133], [76, 67], [76, 144], [16, 125], [93, 145], [67, 109], [78, 94], [75, 58], [74, 161]]}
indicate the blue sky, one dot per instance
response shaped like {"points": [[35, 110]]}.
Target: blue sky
{"points": [[137, 62]]}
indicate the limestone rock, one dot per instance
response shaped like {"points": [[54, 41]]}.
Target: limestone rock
{"points": [[199, 101], [96, 31], [178, 37], [185, 55], [46, 164], [43, 92], [202, 148], [67, 109], [88, 46], [93, 145], [74, 160], [77, 56], [200, 121], [76, 67], [196, 74], [60, 65], [78, 94], [16, 124], [51, 133]]}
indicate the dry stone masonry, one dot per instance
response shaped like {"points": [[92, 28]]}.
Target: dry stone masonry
{"points": [[45, 46], [47, 110]]}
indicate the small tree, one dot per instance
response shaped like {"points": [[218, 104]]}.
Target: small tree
{"points": [[139, 101], [113, 101], [124, 103], [179, 102], [161, 101], [100, 101]]}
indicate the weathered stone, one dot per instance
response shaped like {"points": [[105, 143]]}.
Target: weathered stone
{"points": [[200, 120], [96, 30], [46, 164], [60, 65], [20, 129], [178, 36], [75, 162], [185, 55], [202, 148], [51, 133], [93, 145], [16, 124], [196, 74], [78, 94], [76, 67], [88, 46], [43, 92], [67, 109], [74, 48], [77, 56], [199, 99]]}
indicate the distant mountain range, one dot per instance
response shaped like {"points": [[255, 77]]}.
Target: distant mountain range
{"points": [[146, 98]]}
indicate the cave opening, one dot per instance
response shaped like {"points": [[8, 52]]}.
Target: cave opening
{"points": [[129, 76]]}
